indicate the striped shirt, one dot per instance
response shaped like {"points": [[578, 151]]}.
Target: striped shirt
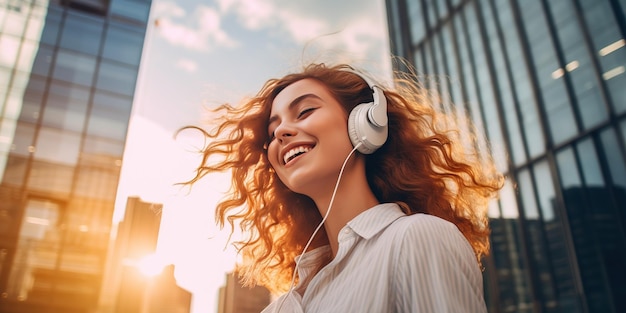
{"points": [[389, 262]]}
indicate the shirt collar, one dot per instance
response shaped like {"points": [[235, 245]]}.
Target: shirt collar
{"points": [[375, 219]]}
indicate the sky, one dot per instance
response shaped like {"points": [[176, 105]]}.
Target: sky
{"points": [[201, 53]]}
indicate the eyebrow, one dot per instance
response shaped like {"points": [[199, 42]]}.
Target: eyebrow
{"points": [[293, 103]]}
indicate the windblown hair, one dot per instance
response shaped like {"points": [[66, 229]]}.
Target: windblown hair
{"points": [[423, 166]]}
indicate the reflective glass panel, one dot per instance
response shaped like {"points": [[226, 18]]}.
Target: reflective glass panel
{"points": [[117, 78], [57, 146], [66, 107], [82, 33], [109, 116], [609, 43], [74, 68], [123, 44]]}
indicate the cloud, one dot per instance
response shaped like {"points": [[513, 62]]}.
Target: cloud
{"points": [[258, 15], [202, 32], [187, 65]]}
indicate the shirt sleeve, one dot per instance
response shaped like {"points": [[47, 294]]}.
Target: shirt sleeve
{"points": [[436, 269]]}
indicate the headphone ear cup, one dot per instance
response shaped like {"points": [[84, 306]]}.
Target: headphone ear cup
{"points": [[362, 132]]}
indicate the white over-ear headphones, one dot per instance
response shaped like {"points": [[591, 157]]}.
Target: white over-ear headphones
{"points": [[367, 123]]}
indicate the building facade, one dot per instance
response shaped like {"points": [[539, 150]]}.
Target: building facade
{"points": [[68, 71], [235, 298], [546, 82]]}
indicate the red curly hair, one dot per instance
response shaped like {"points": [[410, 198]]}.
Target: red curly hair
{"points": [[422, 166]]}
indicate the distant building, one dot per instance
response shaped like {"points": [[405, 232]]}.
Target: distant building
{"points": [[545, 81], [68, 70], [234, 298]]}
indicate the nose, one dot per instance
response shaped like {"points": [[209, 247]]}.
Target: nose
{"points": [[284, 130]]}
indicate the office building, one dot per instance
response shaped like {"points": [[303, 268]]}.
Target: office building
{"points": [[235, 298], [546, 82], [68, 71], [135, 280]]}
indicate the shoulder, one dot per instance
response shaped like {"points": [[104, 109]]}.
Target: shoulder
{"points": [[423, 233]]}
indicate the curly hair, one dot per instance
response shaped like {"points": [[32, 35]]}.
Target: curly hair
{"points": [[423, 166]]}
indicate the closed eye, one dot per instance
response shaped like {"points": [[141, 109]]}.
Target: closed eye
{"points": [[305, 112]]}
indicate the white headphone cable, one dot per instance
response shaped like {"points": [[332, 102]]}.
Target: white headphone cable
{"points": [[330, 204]]}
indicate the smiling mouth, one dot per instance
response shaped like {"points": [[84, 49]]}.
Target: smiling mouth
{"points": [[295, 152]]}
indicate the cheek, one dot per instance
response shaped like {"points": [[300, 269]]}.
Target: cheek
{"points": [[272, 154]]}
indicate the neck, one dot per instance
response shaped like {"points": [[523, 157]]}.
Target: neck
{"points": [[353, 197]]}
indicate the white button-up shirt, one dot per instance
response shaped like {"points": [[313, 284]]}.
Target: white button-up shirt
{"points": [[389, 262]]}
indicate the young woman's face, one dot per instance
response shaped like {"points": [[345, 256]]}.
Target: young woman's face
{"points": [[308, 137]]}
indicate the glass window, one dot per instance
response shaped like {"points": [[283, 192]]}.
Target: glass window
{"points": [[99, 182], [567, 169], [74, 68], [557, 106], [57, 146], [36, 23], [432, 15], [116, 78], [15, 18], [37, 246], [467, 71], [33, 99], [579, 68], [50, 32], [81, 33], [557, 239], [589, 163], [10, 47], [123, 44], [506, 246], [587, 209], [109, 116], [101, 148], [43, 60], [14, 174], [615, 158], [609, 43], [535, 237], [66, 107], [24, 138], [502, 83], [416, 16], [46, 177], [132, 9], [487, 100]]}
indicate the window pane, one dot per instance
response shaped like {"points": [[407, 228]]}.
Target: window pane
{"points": [[123, 45], [81, 33], [57, 146], [117, 78], [74, 68], [617, 162], [46, 177], [535, 237], [43, 60], [133, 9], [50, 32], [10, 47], [568, 169], [66, 107], [37, 246], [557, 240], [592, 173], [608, 41], [109, 116]]}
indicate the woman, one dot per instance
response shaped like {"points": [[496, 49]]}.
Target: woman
{"points": [[383, 223]]}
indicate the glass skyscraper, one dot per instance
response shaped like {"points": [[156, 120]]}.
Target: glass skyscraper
{"points": [[68, 71], [546, 82]]}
